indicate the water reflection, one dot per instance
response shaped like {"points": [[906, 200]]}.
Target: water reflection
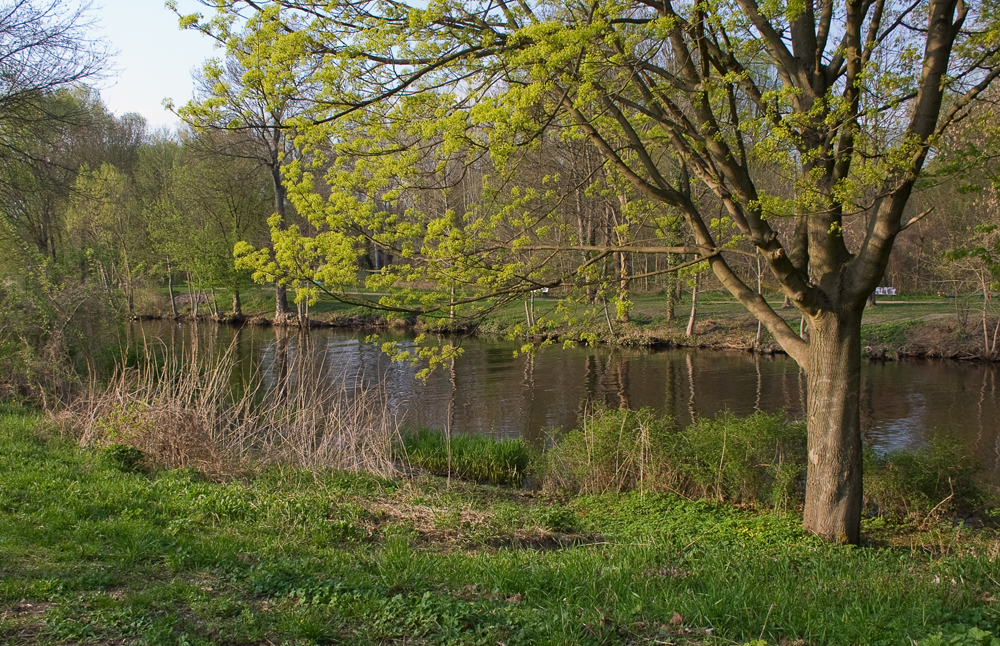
{"points": [[490, 390]]}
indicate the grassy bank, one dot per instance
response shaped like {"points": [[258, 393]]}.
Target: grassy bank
{"points": [[912, 326], [97, 553]]}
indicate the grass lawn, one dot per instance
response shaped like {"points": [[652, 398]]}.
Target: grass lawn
{"points": [[95, 554]]}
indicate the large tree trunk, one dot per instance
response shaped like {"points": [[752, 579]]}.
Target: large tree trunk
{"points": [[833, 478]]}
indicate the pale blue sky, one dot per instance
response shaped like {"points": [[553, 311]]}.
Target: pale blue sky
{"points": [[154, 57]]}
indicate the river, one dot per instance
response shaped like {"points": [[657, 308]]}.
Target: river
{"points": [[490, 390]]}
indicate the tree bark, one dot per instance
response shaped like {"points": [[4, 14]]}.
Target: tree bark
{"points": [[170, 290], [694, 307], [834, 476]]}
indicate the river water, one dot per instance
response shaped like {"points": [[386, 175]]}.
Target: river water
{"points": [[490, 390]]}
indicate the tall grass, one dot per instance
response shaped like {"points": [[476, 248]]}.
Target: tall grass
{"points": [[613, 451], [183, 412]]}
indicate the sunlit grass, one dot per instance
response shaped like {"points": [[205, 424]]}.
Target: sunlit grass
{"points": [[92, 554]]}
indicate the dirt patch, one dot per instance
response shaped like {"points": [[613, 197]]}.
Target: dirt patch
{"points": [[22, 623], [24, 610], [941, 339]]}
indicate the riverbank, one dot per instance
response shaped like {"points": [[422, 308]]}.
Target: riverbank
{"points": [[97, 552], [895, 328]]}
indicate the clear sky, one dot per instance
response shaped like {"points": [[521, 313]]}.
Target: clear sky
{"points": [[154, 58]]}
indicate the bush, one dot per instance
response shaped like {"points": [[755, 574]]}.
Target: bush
{"points": [[473, 457], [50, 334], [125, 458], [615, 451], [757, 459], [914, 482]]}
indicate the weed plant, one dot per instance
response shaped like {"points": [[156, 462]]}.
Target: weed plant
{"points": [[911, 484], [758, 460], [754, 460], [474, 457], [613, 451], [94, 554]]}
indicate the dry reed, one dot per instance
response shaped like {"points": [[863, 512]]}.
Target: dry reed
{"points": [[183, 412]]}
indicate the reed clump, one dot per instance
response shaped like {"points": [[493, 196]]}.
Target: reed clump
{"points": [[184, 413]]}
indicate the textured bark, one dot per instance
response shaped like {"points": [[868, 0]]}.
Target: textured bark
{"points": [[833, 483]]}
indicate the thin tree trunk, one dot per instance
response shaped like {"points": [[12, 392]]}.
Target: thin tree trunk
{"points": [[834, 471], [672, 284], [624, 278], [170, 290], [760, 285], [281, 308], [694, 307], [237, 305], [986, 301]]}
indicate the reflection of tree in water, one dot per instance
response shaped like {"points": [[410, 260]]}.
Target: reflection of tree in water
{"points": [[621, 374], [690, 375], [756, 365], [591, 381], [528, 391], [280, 363], [193, 344], [670, 390]]}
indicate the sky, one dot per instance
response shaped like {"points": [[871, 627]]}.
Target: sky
{"points": [[153, 59]]}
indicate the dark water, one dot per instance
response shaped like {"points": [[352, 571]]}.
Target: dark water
{"points": [[489, 390]]}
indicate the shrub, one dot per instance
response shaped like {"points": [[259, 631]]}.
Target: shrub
{"points": [[914, 482], [125, 458], [615, 450], [755, 459], [473, 457], [182, 413]]}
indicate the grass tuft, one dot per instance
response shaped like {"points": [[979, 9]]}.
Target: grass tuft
{"points": [[473, 457]]}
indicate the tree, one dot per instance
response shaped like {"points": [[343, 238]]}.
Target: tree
{"points": [[44, 47], [238, 97], [224, 198], [695, 105]]}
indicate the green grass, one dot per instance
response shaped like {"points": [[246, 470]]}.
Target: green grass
{"points": [[94, 552], [474, 457]]}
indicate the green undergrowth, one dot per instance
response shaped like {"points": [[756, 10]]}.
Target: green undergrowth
{"points": [[96, 551], [886, 337], [474, 457], [759, 461]]}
